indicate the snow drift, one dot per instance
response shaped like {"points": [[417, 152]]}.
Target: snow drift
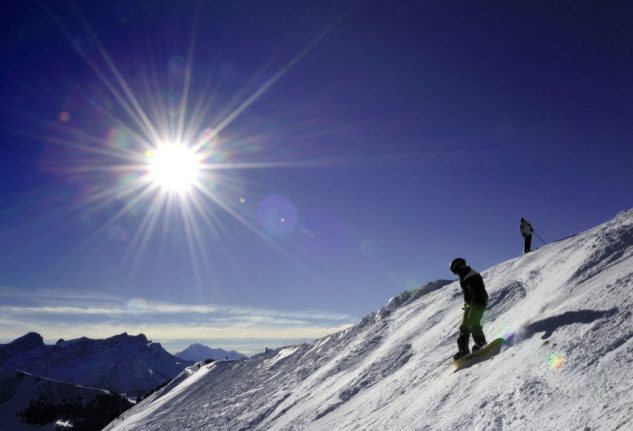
{"points": [[567, 363]]}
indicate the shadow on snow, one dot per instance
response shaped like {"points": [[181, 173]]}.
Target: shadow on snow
{"points": [[551, 324]]}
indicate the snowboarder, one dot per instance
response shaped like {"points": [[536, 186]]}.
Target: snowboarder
{"points": [[526, 232], [475, 302]]}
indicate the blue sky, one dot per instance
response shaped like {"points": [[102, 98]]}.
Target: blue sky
{"points": [[347, 151]]}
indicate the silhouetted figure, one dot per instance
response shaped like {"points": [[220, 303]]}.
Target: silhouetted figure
{"points": [[526, 231], [475, 302]]}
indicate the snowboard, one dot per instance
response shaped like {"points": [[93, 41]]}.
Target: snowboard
{"points": [[484, 353]]}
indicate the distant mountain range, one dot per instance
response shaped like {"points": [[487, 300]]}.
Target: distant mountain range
{"points": [[198, 352], [85, 383], [77, 382], [129, 365]]}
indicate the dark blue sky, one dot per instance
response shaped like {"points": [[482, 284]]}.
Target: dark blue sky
{"points": [[389, 137]]}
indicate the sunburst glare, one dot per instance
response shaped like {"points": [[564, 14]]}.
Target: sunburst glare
{"points": [[174, 167], [163, 157]]}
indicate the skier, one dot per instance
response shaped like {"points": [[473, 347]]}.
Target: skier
{"points": [[526, 231], [475, 302]]}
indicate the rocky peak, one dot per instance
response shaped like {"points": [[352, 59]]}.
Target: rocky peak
{"points": [[29, 341]]}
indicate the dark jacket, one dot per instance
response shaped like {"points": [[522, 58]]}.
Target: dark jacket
{"points": [[473, 287], [525, 227]]}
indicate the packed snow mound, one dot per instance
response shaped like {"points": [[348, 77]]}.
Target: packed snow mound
{"points": [[565, 311], [411, 295]]}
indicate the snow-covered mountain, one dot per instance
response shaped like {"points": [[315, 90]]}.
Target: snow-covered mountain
{"points": [[29, 402], [198, 352], [565, 311], [124, 364]]}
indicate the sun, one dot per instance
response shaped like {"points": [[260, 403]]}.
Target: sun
{"points": [[173, 167]]}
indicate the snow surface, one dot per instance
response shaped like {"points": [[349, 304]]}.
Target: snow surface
{"points": [[172, 392], [567, 364]]}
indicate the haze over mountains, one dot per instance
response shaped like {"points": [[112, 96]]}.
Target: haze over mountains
{"points": [[198, 352]]}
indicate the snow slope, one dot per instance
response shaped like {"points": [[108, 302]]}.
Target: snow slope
{"points": [[565, 311]]}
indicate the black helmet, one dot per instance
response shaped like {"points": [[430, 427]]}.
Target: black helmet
{"points": [[457, 264]]}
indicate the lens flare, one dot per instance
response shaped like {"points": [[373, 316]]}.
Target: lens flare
{"points": [[137, 306], [277, 215], [117, 233], [64, 117], [118, 139], [555, 362]]}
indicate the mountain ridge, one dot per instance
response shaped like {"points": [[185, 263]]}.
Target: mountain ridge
{"points": [[126, 364]]}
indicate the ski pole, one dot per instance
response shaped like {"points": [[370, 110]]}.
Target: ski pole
{"points": [[537, 235]]}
